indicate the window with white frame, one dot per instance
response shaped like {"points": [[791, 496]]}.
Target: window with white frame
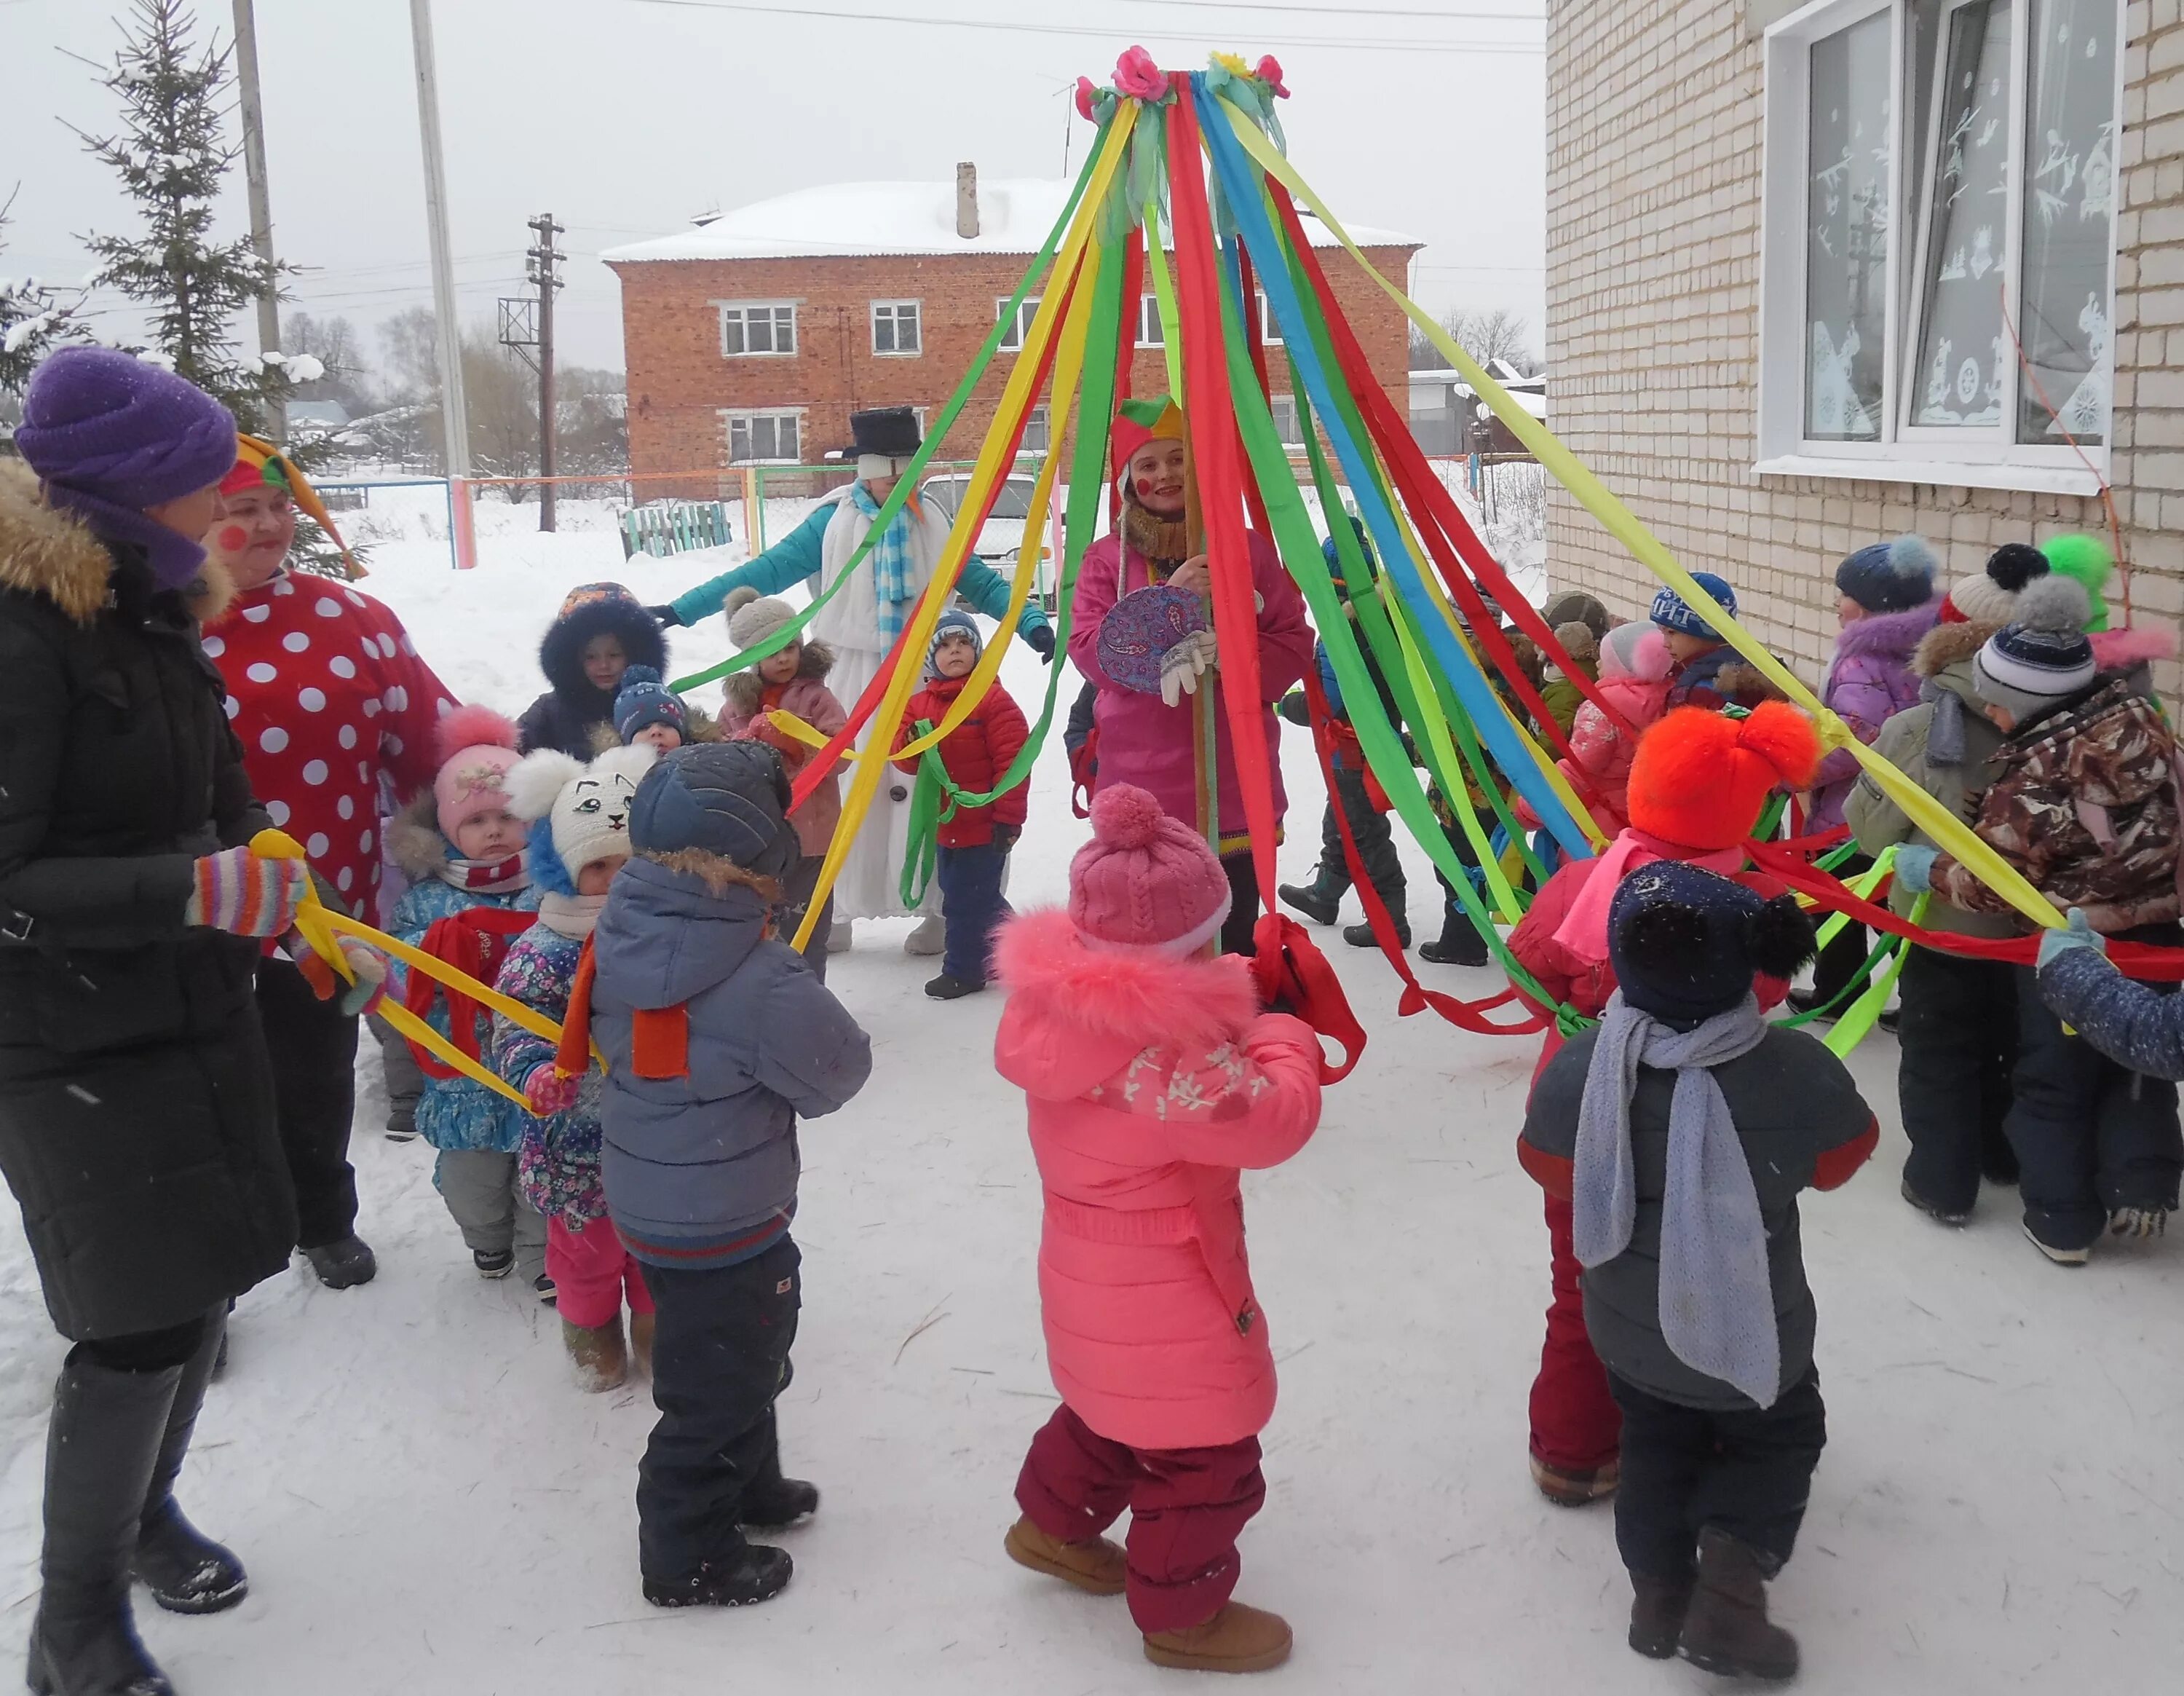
{"points": [[1287, 424], [1150, 334], [756, 327], [896, 330], [1039, 434], [1018, 329], [1938, 271], [762, 438], [1270, 333]]}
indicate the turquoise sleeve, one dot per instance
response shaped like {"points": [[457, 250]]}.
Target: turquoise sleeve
{"points": [[988, 590], [791, 559]]}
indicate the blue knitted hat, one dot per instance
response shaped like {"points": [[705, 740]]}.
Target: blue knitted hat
{"points": [[1672, 612], [642, 701], [727, 798], [1889, 577], [952, 623]]}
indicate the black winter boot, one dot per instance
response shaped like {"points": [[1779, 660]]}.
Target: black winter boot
{"points": [[186, 1571], [752, 1574], [1362, 936], [1658, 1607], [102, 1451], [775, 1504], [344, 1263], [1320, 900], [1726, 1630], [1459, 944], [945, 988]]}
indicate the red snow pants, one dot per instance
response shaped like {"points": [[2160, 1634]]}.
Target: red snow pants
{"points": [[1576, 1426], [1187, 1507]]}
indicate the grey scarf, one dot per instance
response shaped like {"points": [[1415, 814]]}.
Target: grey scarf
{"points": [[1716, 1301]]}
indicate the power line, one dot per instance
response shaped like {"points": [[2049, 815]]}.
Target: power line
{"points": [[1081, 33]]}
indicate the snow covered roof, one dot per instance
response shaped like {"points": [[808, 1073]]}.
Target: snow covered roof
{"points": [[866, 218]]}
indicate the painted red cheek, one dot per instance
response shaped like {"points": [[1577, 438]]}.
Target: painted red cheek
{"points": [[231, 539]]}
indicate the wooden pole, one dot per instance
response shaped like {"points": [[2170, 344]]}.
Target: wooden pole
{"points": [[261, 203]]}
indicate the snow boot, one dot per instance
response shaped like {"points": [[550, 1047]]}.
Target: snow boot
{"points": [[186, 1571], [945, 988], [548, 1295], [492, 1262], [597, 1353], [2061, 1257], [640, 1342], [1237, 1639], [752, 1574], [103, 1453], [1726, 1630], [838, 938], [344, 1263], [1320, 899], [1933, 1211], [1458, 945], [930, 937], [774, 1503], [1658, 1607], [1093, 1564], [1569, 1486], [2138, 1222], [1362, 936]]}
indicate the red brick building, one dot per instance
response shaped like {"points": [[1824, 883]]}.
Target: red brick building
{"points": [[750, 338]]}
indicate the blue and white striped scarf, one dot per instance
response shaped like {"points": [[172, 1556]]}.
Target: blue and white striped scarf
{"points": [[895, 573]]}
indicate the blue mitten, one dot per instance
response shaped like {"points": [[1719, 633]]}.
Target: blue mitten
{"points": [[1915, 867], [2078, 933]]}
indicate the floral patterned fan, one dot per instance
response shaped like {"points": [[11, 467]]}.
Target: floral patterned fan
{"points": [[1140, 628]]}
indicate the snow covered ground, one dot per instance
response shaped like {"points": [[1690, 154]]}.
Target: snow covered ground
{"points": [[426, 1504]]}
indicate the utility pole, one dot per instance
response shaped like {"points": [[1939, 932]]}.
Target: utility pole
{"points": [[261, 201], [454, 418], [544, 257]]}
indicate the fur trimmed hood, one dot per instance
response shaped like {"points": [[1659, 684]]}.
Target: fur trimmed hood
{"points": [[414, 841], [44, 551], [1949, 644], [743, 688], [1135, 996], [1741, 680], [1893, 636]]}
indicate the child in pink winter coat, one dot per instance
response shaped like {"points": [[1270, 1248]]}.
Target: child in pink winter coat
{"points": [[1633, 678], [1152, 1077]]}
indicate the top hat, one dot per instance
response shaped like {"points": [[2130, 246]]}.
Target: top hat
{"points": [[888, 432]]}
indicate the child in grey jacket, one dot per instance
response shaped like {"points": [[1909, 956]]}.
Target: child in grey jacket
{"points": [[717, 1037], [1682, 1129]]}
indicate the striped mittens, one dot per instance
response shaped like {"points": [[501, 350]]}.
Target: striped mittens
{"points": [[236, 890]]}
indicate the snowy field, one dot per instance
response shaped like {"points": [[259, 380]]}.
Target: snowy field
{"points": [[426, 1504]]}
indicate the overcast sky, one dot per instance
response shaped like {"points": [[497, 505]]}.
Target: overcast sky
{"points": [[625, 117]]}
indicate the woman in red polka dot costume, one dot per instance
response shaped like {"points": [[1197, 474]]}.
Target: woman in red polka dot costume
{"points": [[332, 704]]}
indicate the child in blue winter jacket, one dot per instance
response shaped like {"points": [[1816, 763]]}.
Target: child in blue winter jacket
{"points": [[717, 1037], [462, 849], [579, 819]]}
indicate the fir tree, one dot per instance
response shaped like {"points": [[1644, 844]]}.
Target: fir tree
{"points": [[35, 319], [171, 154]]}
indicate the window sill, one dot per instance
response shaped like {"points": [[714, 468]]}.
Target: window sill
{"points": [[789, 355], [913, 354], [2072, 479]]}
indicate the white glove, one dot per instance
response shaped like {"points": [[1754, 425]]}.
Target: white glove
{"points": [[1184, 664]]}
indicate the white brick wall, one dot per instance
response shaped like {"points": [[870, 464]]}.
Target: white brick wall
{"points": [[1653, 211]]}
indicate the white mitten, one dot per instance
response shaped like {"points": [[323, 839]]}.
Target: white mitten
{"points": [[1184, 664]]}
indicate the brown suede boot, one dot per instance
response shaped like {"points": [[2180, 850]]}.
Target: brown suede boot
{"points": [[1569, 1487], [1726, 1630], [1658, 1607], [1094, 1565], [640, 1342], [597, 1352], [1237, 1639]]}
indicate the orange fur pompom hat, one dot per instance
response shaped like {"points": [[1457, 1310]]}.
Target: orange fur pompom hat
{"points": [[1700, 777]]}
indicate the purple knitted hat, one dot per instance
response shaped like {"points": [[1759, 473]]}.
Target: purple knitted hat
{"points": [[109, 436], [131, 434]]}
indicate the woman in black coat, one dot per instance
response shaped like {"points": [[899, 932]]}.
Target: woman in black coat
{"points": [[136, 1124]]}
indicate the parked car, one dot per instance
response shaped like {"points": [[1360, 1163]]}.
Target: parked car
{"points": [[1001, 537]]}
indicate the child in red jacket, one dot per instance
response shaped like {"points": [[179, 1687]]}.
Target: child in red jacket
{"points": [[974, 840]]}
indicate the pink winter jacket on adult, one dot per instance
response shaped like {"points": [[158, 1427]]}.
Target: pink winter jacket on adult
{"points": [[1143, 740], [1150, 1080]]}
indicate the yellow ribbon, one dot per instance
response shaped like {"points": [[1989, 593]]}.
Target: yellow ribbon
{"points": [[1943, 826], [322, 928]]}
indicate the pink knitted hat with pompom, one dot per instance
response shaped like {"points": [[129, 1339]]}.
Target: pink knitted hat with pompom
{"points": [[478, 746], [1144, 880]]}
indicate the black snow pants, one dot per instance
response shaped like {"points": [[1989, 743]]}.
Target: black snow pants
{"points": [[1375, 840], [1959, 1034], [313, 1051]]}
